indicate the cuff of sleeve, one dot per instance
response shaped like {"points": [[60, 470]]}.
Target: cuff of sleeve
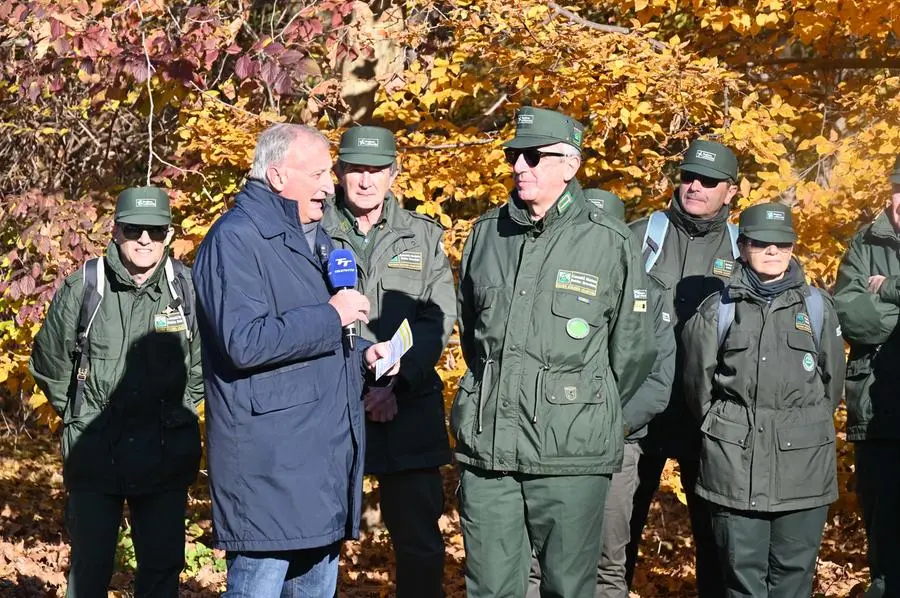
{"points": [[890, 290]]}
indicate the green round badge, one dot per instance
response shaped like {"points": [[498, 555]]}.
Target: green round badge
{"points": [[577, 328], [809, 364]]}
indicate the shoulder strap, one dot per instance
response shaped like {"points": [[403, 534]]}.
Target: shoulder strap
{"points": [[733, 233], [182, 293], [815, 305], [93, 276], [726, 315], [654, 236]]}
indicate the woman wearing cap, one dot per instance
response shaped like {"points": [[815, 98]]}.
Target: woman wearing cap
{"points": [[763, 374]]}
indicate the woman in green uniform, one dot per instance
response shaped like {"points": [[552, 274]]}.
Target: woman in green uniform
{"points": [[764, 371]]}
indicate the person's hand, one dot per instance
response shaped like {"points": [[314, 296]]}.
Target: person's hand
{"points": [[875, 283], [384, 411], [351, 306], [376, 395], [376, 352]]}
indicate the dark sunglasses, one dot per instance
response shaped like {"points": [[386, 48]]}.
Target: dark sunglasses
{"points": [[705, 181], [532, 155], [133, 232], [761, 245]]}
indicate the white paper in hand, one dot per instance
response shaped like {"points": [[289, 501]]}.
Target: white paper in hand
{"points": [[399, 344]]}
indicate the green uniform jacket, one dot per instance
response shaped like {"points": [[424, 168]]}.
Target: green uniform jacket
{"points": [[555, 330], [137, 431], [406, 276], [687, 269], [765, 400], [869, 323]]}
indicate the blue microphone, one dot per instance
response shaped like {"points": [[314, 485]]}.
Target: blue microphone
{"points": [[342, 275]]}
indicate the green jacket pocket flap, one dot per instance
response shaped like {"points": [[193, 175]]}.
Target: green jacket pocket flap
{"points": [[725, 430], [806, 436]]}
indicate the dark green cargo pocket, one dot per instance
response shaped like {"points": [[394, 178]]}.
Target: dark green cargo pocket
{"points": [[576, 423], [724, 458], [86, 446], [463, 413], [805, 460]]}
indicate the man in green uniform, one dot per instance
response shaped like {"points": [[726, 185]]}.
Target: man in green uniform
{"points": [[647, 402], [129, 406], [405, 274], [867, 296], [556, 334], [692, 257]]}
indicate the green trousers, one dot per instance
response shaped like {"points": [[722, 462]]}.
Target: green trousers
{"points": [[504, 516], [157, 529], [768, 555]]}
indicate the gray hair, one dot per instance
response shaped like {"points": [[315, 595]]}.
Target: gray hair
{"points": [[272, 146]]}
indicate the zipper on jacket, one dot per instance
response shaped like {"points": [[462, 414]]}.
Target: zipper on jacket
{"points": [[484, 376], [538, 390]]}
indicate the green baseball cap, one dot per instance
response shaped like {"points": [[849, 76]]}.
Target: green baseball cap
{"points": [[367, 146], [708, 158], [606, 201], [536, 127], [144, 205], [895, 174], [767, 222]]}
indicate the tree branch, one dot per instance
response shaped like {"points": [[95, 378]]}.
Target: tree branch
{"points": [[150, 152], [831, 64], [575, 18]]}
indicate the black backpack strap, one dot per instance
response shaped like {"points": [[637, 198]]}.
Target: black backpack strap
{"points": [[94, 279]]}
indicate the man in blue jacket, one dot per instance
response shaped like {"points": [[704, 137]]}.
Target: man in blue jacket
{"points": [[284, 416]]}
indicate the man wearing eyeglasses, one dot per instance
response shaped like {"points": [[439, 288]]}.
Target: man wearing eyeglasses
{"points": [[555, 330], [130, 431], [693, 258], [867, 297]]}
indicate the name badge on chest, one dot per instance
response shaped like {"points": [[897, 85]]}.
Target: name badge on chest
{"points": [[723, 267], [169, 321], [408, 260]]}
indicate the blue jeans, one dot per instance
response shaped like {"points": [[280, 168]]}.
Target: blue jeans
{"points": [[308, 573]]}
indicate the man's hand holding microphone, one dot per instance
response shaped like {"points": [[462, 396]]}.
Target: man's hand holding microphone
{"points": [[352, 306]]}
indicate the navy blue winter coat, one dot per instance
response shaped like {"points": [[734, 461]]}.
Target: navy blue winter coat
{"points": [[284, 417]]}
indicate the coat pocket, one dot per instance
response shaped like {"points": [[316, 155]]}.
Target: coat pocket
{"points": [[805, 461], [86, 448], [278, 389], [463, 413], [576, 421], [724, 455]]}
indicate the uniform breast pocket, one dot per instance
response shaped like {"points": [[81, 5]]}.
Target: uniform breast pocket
{"points": [[582, 316], [801, 353]]}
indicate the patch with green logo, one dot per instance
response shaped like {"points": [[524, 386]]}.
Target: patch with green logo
{"points": [[809, 364], [408, 260], [723, 267], [564, 202], [169, 322], [577, 328], [570, 280], [577, 135]]}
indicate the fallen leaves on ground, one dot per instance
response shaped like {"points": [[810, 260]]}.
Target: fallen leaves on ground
{"points": [[34, 553]]}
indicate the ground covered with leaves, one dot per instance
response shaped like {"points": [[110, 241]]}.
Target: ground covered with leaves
{"points": [[34, 553]]}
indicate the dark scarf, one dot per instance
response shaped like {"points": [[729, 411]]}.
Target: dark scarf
{"points": [[769, 290], [693, 226]]}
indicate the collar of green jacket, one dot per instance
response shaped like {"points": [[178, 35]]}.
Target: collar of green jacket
{"points": [[338, 216], [883, 229], [744, 284], [117, 268], [691, 224], [570, 202]]}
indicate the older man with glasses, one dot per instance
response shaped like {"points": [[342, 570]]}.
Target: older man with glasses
{"points": [[555, 330], [691, 249]]}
